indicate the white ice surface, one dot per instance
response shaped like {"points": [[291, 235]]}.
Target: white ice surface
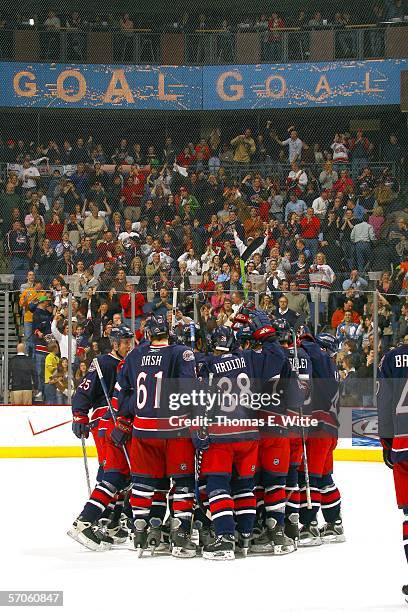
{"points": [[41, 497]]}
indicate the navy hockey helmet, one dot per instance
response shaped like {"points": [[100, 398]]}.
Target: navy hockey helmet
{"points": [[284, 330], [243, 334], [304, 333], [121, 332], [261, 325], [222, 339], [157, 326], [328, 342]]}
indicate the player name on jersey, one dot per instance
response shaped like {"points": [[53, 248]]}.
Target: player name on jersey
{"points": [[401, 361], [151, 360], [231, 364]]}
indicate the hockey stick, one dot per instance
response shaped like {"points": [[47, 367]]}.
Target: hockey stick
{"points": [[201, 325], [192, 335], [200, 454], [173, 311], [302, 429], [108, 402], [88, 480]]}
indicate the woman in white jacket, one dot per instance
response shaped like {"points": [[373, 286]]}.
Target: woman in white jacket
{"points": [[206, 258], [321, 279], [192, 262]]}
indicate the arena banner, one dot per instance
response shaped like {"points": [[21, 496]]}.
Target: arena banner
{"points": [[100, 86], [45, 431], [306, 85], [262, 86]]}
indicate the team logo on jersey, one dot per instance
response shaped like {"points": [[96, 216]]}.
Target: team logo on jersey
{"points": [[183, 467], [92, 367], [253, 468], [188, 356], [276, 462]]}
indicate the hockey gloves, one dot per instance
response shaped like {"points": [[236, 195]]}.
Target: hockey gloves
{"points": [[80, 425], [122, 432], [387, 444]]}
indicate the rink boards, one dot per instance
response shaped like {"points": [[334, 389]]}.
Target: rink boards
{"points": [[45, 431]]}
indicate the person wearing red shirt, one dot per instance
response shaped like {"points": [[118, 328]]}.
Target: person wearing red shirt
{"points": [[344, 184], [131, 196], [185, 158], [310, 230], [126, 304], [203, 148], [105, 248], [274, 48], [54, 230], [207, 284], [338, 314]]}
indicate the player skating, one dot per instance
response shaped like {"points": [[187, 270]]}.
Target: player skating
{"points": [[393, 427], [230, 447], [320, 445], [160, 449], [113, 473]]}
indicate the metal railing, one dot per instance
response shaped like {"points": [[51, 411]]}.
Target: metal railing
{"points": [[218, 46], [378, 318]]}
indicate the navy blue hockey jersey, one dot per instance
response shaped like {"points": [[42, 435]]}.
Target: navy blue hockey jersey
{"points": [[281, 382], [233, 409], [325, 389], [150, 386], [89, 394], [303, 367], [392, 401]]}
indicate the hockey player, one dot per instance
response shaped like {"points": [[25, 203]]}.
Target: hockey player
{"points": [[274, 448], [113, 473], [160, 448], [230, 446], [320, 445], [393, 427], [301, 364]]}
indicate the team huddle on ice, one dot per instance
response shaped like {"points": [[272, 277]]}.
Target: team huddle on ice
{"points": [[244, 471]]}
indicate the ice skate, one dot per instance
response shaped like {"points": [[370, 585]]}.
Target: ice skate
{"points": [[332, 532], [309, 535], [292, 528], [117, 532], [84, 533], [260, 543], [242, 542], [281, 544], [140, 536], [204, 536], [222, 549], [180, 541]]}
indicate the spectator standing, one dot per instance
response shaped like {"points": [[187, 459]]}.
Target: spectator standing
{"points": [[362, 236], [62, 337], [328, 176], [293, 143], [347, 329], [29, 175], [310, 230], [50, 367], [321, 204], [22, 378], [244, 147], [17, 247]]}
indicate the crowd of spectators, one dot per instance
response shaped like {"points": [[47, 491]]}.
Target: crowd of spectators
{"points": [[120, 229], [312, 15]]}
